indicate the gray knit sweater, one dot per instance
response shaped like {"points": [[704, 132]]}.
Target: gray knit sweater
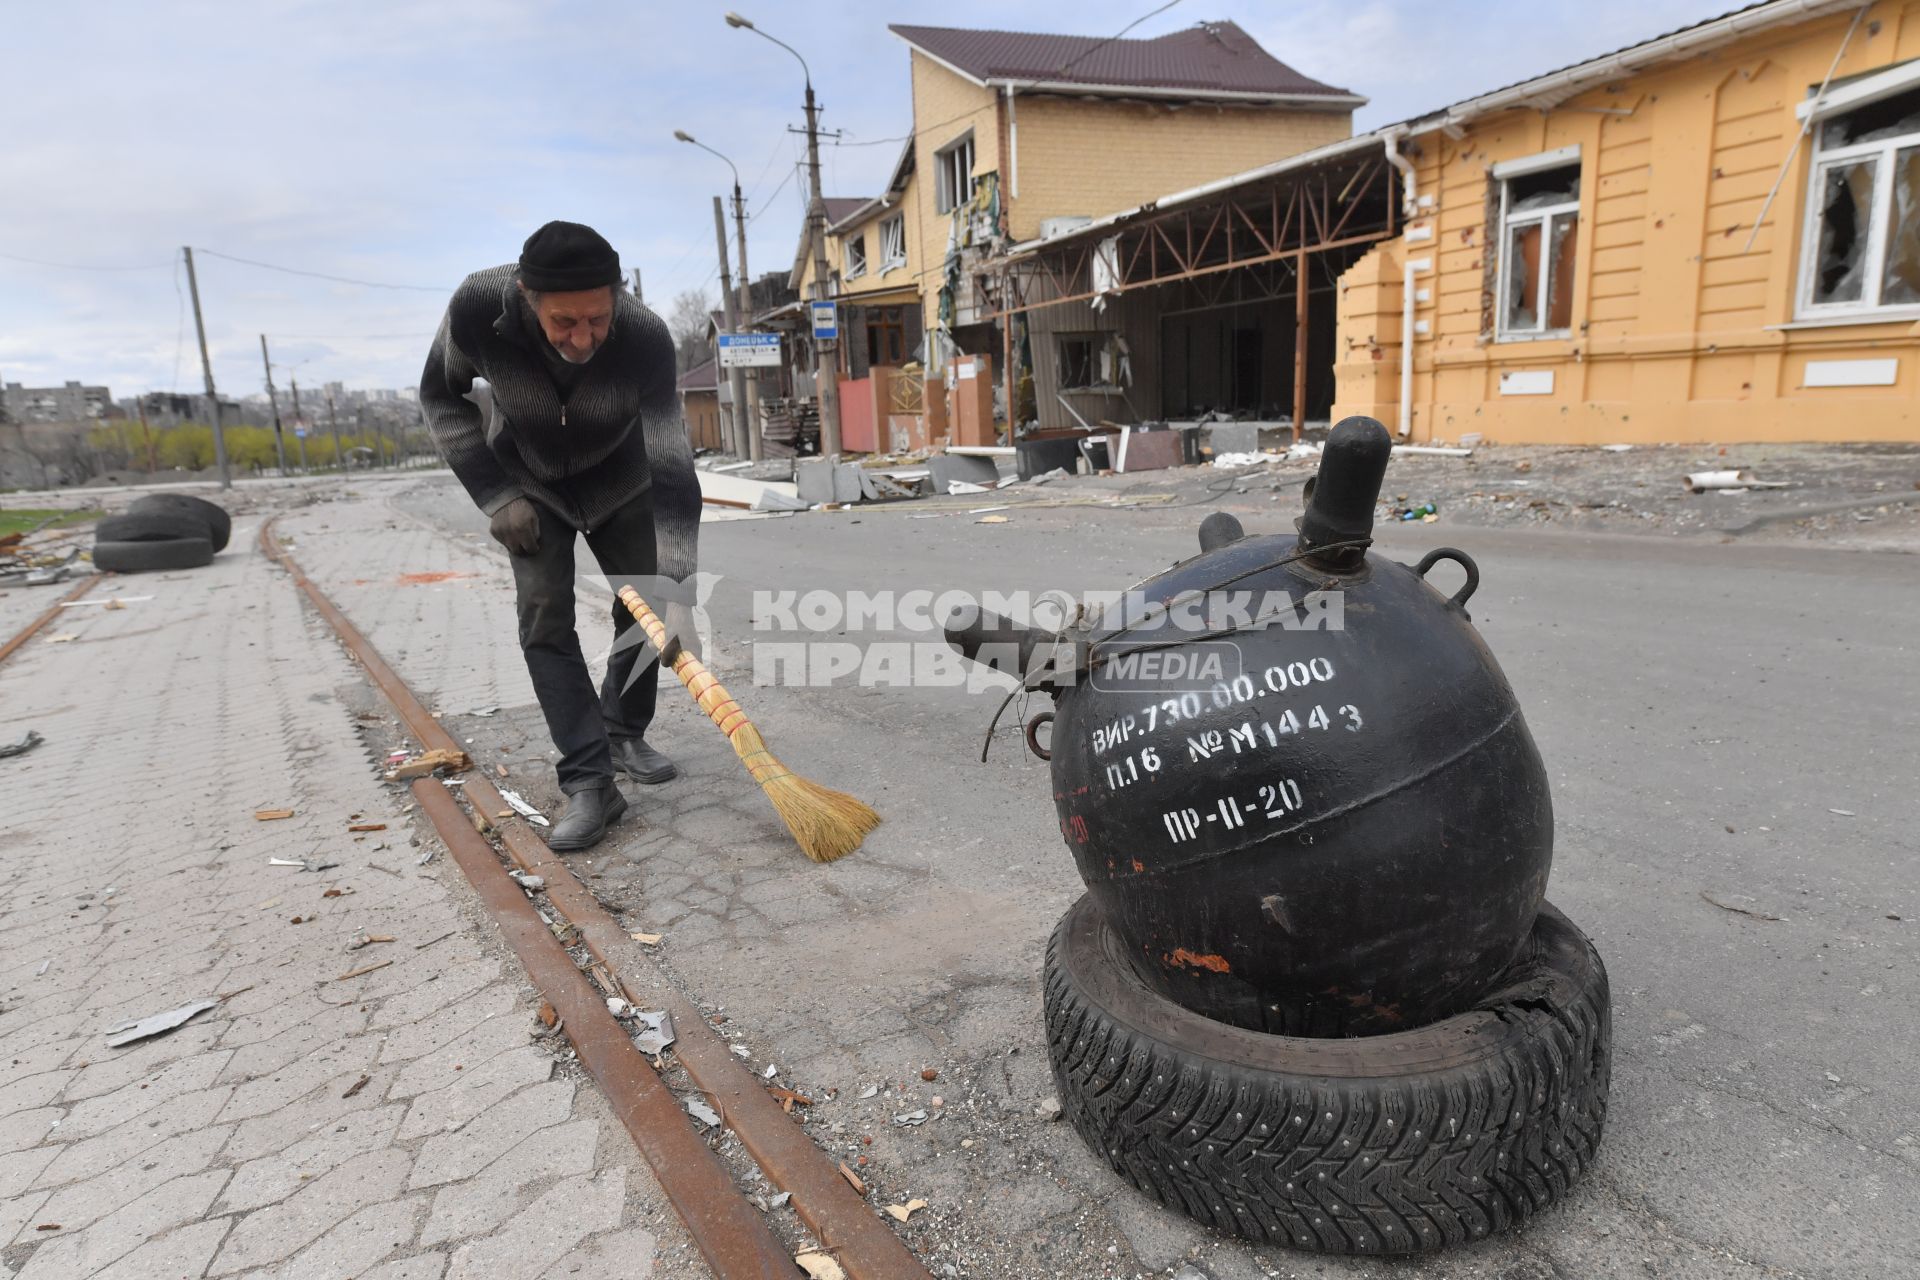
{"points": [[618, 435]]}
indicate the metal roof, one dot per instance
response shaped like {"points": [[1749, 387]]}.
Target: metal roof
{"points": [[1212, 59]]}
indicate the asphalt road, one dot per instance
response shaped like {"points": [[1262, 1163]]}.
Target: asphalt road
{"points": [[1730, 729]]}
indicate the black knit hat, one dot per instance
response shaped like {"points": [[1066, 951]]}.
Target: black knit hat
{"points": [[562, 257]]}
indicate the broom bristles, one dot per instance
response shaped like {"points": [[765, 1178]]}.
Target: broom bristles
{"points": [[826, 824]]}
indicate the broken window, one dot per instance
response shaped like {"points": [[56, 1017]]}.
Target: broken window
{"points": [[1077, 356], [1540, 225], [1863, 234], [893, 242], [953, 175], [857, 257]]}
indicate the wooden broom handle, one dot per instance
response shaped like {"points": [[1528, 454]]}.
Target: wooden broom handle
{"points": [[707, 691]]}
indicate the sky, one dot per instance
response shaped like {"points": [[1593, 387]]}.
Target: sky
{"points": [[409, 142]]}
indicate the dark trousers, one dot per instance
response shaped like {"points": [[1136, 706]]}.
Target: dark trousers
{"points": [[580, 720]]}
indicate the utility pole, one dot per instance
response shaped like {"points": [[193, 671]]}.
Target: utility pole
{"points": [[827, 373], [637, 295], [752, 376], [299, 426], [279, 437], [333, 425], [206, 367], [736, 380]]}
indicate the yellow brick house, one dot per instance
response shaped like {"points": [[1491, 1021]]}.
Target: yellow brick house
{"points": [[1713, 235]]}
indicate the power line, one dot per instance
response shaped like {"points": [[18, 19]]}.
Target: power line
{"points": [[321, 275], [81, 266]]}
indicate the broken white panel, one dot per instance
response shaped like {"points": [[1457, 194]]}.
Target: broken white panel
{"points": [[1851, 373], [1423, 231], [1526, 382]]}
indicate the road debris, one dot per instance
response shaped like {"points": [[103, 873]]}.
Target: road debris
{"points": [[647, 939], [366, 826], [1049, 1109], [427, 762], [740, 1051], [26, 743], [901, 1212], [779, 1201], [912, 1118], [770, 1072], [853, 1179], [699, 1110], [929, 1074], [522, 808], [1732, 481], [484, 711], [356, 1086], [125, 1033], [271, 815], [870, 1091], [991, 520], [528, 881], [305, 864], [358, 973], [788, 1099], [1845, 813], [360, 940], [821, 1266], [1739, 911], [655, 1035]]}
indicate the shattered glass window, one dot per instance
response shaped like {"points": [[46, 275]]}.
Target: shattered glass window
{"points": [[1846, 214], [1900, 282], [1542, 215], [1880, 121], [1864, 237]]}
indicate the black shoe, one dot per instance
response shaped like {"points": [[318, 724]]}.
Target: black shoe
{"points": [[633, 757], [588, 815]]}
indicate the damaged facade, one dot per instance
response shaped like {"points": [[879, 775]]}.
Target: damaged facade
{"points": [[1020, 137]]}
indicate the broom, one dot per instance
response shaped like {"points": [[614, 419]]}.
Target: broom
{"points": [[827, 824]]}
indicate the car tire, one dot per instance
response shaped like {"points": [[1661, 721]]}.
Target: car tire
{"points": [[219, 523], [1387, 1144], [152, 526], [145, 557]]}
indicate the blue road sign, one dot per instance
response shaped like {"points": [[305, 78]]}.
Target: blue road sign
{"points": [[826, 321]]}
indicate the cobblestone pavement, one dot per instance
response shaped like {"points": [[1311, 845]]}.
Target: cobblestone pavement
{"points": [[399, 1124]]}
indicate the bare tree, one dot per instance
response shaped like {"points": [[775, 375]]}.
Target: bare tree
{"points": [[687, 321]]}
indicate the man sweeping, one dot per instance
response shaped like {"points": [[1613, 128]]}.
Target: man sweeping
{"points": [[583, 436]]}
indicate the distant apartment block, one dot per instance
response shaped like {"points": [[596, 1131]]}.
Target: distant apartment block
{"points": [[71, 403]]}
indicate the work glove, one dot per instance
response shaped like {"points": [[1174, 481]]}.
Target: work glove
{"points": [[682, 635], [516, 527]]}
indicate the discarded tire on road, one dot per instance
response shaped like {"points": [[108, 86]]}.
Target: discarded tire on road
{"points": [[1386, 1144], [1314, 994], [218, 523], [146, 557], [151, 526]]}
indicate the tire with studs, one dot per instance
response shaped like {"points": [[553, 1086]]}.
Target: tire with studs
{"points": [[1388, 1144]]}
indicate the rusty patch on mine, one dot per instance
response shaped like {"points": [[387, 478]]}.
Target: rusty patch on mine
{"points": [[1193, 960], [428, 579]]}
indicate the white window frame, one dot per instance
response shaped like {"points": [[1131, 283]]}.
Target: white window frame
{"points": [[1868, 306], [855, 248], [893, 242], [953, 182], [1561, 158]]}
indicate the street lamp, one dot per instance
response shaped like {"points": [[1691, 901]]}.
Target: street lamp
{"points": [[826, 376], [746, 389]]}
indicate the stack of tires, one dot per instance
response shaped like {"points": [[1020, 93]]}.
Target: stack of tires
{"points": [[161, 531]]}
